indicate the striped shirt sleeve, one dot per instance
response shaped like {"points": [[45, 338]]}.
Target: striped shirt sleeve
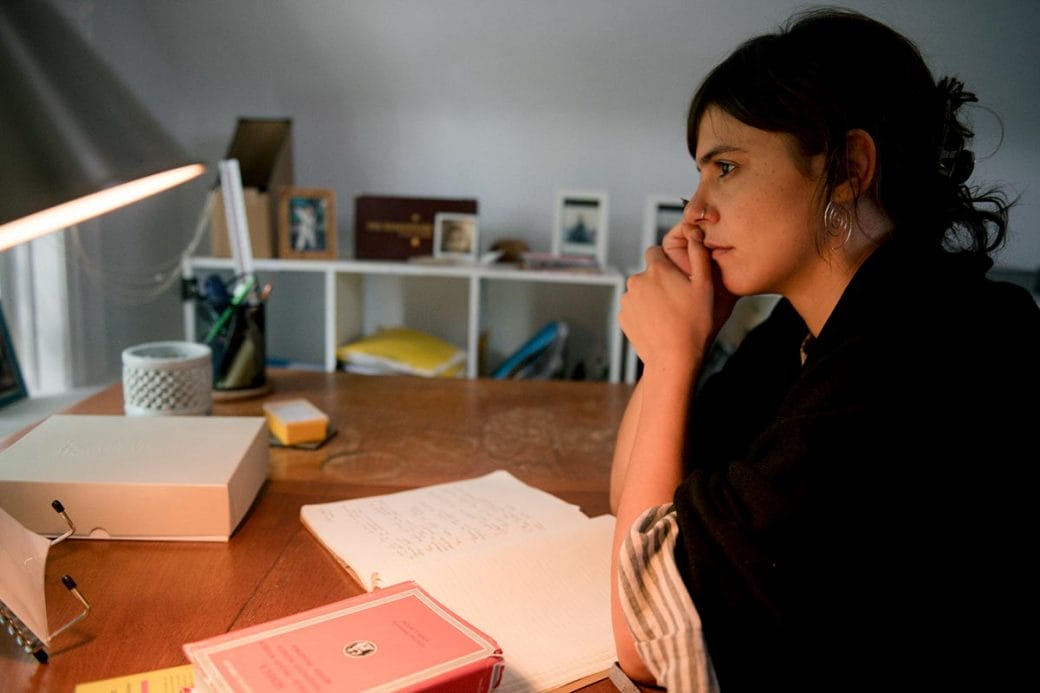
{"points": [[659, 611]]}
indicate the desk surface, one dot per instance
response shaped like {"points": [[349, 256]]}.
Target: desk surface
{"points": [[393, 433]]}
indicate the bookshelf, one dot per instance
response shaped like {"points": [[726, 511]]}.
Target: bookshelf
{"points": [[317, 305]]}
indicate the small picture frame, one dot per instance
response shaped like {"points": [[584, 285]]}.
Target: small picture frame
{"points": [[662, 213], [581, 224], [307, 223], [12, 386], [455, 236]]}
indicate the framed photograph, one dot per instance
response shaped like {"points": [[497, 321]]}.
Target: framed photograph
{"points": [[662, 213], [12, 387], [455, 236], [581, 224], [307, 223]]}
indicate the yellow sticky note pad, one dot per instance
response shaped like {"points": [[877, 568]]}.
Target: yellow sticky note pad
{"points": [[295, 421], [171, 680]]}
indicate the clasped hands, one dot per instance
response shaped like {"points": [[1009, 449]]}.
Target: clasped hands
{"points": [[672, 310]]}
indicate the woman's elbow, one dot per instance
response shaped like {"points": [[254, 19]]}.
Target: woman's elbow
{"points": [[633, 666], [628, 657]]}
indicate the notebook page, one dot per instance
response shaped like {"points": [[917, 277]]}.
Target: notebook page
{"points": [[545, 599], [396, 531]]}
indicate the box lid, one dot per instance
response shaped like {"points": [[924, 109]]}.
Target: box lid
{"points": [[198, 450], [189, 478]]}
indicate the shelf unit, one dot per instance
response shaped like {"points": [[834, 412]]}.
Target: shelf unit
{"points": [[316, 306]]}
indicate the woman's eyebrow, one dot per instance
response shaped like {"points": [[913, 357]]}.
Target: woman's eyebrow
{"points": [[716, 151]]}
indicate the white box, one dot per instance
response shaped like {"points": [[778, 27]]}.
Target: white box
{"points": [[188, 478]]}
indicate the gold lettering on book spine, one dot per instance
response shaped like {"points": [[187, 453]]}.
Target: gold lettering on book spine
{"points": [[405, 229]]}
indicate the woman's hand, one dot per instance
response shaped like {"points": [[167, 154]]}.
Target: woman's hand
{"points": [[673, 310], [684, 246], [676, 244]]}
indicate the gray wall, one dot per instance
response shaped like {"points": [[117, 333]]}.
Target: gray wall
{"points": [[504, 101]]}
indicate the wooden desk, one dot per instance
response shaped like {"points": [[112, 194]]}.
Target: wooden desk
{"points": [[392, 433]]}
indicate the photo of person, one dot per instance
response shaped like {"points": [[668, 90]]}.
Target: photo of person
{"points": [[455, 235], [307, 223]]}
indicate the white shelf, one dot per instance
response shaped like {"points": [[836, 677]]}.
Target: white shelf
{"points": [[331, 302]]}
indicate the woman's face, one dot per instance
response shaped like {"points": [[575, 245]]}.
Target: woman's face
{"points": [[761, 203]]}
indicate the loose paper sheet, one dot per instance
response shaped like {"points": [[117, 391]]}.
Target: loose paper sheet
{"points": [[401, 529], [23, 561], [544, 598]]}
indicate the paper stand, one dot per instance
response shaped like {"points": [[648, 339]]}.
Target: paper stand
{"points": [[23, 605]]}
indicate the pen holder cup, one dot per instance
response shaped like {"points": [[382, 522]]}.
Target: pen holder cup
{"points": [[167, 379], [239, 349]]}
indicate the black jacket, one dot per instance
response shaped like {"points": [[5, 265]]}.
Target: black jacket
{"points": [[862, 521]]}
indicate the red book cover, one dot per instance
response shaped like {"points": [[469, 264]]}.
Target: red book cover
{"points": [[394, 639]]}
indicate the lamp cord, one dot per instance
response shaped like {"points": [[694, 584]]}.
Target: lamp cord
{"points": [[143, 285]]}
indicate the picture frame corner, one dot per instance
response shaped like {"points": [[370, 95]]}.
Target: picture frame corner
{"points": [[12, 381], [652, 210]]}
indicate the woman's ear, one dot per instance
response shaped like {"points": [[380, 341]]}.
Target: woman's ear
{"points": [[861, 163]]}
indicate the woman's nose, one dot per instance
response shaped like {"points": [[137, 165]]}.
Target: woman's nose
{"points": [[695, 210]]}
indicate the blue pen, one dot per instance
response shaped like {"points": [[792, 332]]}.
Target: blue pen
{"points": [[216, 293], [239, 296]]}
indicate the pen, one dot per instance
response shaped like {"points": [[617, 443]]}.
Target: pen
{"points": [[215, 292], [236, 300]]}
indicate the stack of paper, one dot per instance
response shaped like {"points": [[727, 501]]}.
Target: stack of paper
{"points": [[401, 350]]}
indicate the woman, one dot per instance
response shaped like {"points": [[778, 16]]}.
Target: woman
{"points": [[841, 505]]}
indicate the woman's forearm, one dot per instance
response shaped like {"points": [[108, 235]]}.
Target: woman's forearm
{"points": [[623, 446], [647, 469]]}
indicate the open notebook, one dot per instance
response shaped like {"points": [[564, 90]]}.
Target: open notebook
{"points": [[520, 564]]}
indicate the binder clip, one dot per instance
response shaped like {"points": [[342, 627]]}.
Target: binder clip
{"points": [[23, 610]]}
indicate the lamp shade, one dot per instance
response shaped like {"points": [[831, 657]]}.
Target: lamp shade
{"points": [[74, 142]]}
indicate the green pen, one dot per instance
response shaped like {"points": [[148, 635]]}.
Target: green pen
{"points": [[236, 299]]}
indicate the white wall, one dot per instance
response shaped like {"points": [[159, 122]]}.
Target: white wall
{"points": [[504, 101]]}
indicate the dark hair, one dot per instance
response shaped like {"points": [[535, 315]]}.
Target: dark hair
{"points": [[828, 71]]}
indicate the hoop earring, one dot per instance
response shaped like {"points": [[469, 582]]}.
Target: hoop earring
{"points": [[838, 221]]}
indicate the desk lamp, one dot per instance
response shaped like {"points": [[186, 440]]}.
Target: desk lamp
{"points": [[74, 144]]}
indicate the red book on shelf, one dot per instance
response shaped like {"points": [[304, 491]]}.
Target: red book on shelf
{"points": [[394, 639]]}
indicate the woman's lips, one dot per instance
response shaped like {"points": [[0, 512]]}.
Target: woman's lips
{"points": [[718, 251]]}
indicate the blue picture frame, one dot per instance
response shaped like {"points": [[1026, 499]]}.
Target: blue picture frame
{"points": [[12, 385]]}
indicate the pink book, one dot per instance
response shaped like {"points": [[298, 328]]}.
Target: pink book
{"points": [[398, 638]]}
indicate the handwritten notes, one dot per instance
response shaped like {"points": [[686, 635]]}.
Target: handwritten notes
{"points": [[524, 566]]}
